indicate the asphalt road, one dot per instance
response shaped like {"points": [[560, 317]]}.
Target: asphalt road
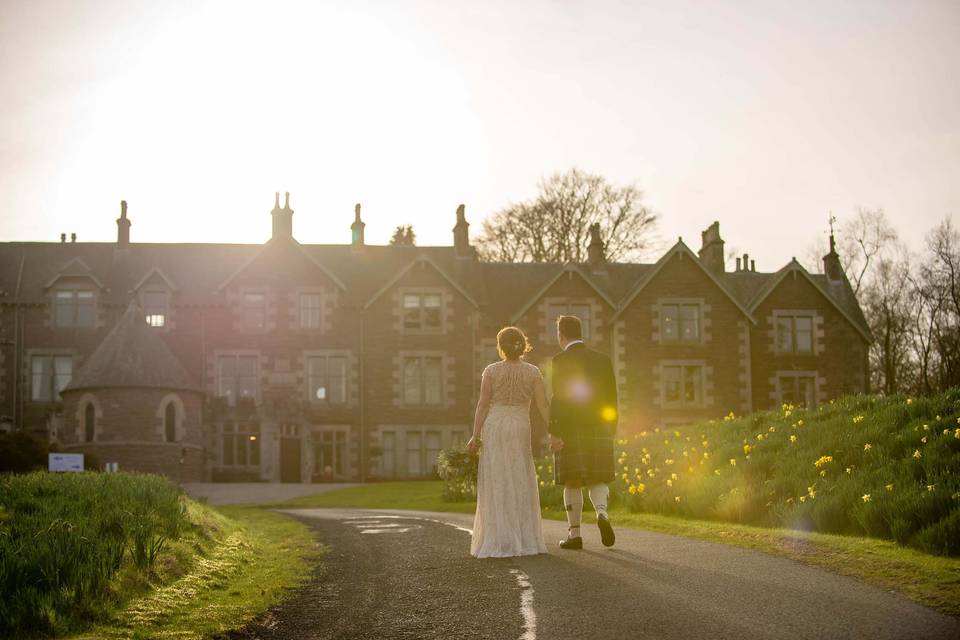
{"points": [[405, 574]]}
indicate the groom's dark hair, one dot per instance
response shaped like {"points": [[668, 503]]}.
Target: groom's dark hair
{"points": [[570, 327]]}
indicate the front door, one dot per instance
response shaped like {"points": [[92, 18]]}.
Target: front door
{"points": [[290, 454]]}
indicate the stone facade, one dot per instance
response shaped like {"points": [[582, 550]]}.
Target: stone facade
{"points": [[254, 324]]}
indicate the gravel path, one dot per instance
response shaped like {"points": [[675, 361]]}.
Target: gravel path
{"points": [[402, 574]]}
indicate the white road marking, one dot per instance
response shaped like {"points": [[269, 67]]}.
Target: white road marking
{"points": [[523, 580], [526, 605], [403, 530]]}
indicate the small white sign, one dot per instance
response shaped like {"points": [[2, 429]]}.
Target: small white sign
{"points": [[66, 462], [112, 467]]}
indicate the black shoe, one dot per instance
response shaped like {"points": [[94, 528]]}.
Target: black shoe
{"points": [[607, 537], [572, 543]]}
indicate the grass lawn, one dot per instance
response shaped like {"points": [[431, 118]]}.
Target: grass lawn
{"points": [[258, 556], [933, 581]]}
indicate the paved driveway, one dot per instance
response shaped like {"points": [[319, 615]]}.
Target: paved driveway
{"points": [[217, 493]]}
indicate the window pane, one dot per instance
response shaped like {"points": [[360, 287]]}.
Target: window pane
{"points": [[85, 309], [247, 377], [411, 311], [554, 311], [431, 311], [228, 444], [336, 378], [310, 310], [42, 378], [690, 323], [63, 372], [316, 378], [804, 333], [433, 387], [414, 453], [691, 385], [582, 311], [340, 453], [411, 380], [669, 322], [226, 375], [254, 447], [785, 334], [671, 384], [432, 449], [66, 309], [388, 440], [170, 422]]}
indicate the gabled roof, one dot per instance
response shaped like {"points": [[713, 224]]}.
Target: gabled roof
{"points": [[680, 249], [159, 272], [132, 355], [269, 245], [420, 259], [74, 268], [569, 267], [795, 267]]}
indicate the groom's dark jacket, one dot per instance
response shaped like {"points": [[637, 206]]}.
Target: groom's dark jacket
{"points": [[583, 413]]}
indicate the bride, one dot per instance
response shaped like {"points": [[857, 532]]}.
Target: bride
{"points": [[508, 501]]}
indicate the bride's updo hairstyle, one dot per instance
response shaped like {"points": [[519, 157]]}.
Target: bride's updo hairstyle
{"points": [[511, 343]]}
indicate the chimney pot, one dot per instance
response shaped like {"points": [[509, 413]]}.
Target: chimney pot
{"points": [[356, 229], [461, 235], [282, 218], [63, 238], [738, 263], [753, 265], [286, 200], [73, 237]]}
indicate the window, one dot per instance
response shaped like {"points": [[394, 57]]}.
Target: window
{"points": [[254, 311], [74, 308], [170, 422], [431, 450], [241, 444], [89, 423], [582, 311], [237, 377], [794, 334], [309, 310], [422, 312], [798, 389], [155, 307], [388, 462], [423, 380], [680, 322], [327, 378], [682, 385], [330, 453], [49, 375]]}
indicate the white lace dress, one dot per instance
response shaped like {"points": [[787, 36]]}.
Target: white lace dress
{"points": [[508, 501]]}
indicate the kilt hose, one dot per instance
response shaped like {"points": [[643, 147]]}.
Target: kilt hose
{"points": [[585, 457]]}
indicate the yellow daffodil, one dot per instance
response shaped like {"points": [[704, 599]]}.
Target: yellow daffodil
{"points": [[822, 461], [857, 419], [889, 487], [867, 447], [812, 492], [803, 498], [669, 482], [772, 429], [673, 475], [677, 498], [866, 497], [733, 462], [641, 487], [793, 439], [747, 449], [823, 473], [716, 472], [799, 423], [926, 427], [909, 400], [916, 454], [923, 439], [848, 470], [956, 434], [632, 489], [668, 461], [931, 487]]}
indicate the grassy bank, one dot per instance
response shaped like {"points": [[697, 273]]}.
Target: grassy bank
{"points": [[930, 580], [129, 555]]}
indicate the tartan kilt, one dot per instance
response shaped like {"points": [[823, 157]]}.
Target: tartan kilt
{"points": [[587, 457]]}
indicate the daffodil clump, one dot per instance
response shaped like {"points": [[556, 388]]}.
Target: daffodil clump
{"points": [[886, 467]]}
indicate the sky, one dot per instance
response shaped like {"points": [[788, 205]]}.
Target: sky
{"points": [[767, 116]]}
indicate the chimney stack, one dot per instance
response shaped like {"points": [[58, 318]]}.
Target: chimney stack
{"points": [[738, 263], [461, 235], [282, 218], [711, 248], [63, 238], [753, 264], [596, 250], [73, 237], [831, 261], [357, 227], [123, 227]]}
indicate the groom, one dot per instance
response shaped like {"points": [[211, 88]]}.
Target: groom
{"points": [[583, 420]]}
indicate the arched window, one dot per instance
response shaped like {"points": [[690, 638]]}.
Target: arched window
{"points": [[89, 422], [170, 422]]}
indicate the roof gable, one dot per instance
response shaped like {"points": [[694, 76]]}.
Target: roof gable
{"points": [[155, 271], [683, 250], [271, 244], [795, 267], [420, 259], [566, 268], [75, 268]]}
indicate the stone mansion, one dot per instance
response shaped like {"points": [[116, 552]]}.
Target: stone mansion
{"points": [[299, 362]]}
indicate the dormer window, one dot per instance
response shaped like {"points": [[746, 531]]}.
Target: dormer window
{"points": [[422, 312], [254, 310], [580, 310], [74, 308], [155, 306]]}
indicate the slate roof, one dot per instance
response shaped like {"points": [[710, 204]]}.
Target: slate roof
{"points": [[197, 270], [132, 355]]}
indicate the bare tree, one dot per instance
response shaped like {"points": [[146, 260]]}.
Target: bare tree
{"points": [[886, 302], [554, 226], [865, 238], [404, 235]]}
